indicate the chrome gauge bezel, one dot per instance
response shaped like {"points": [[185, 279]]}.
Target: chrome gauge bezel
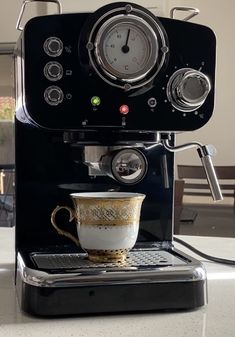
{"points": [[149, 26], [147, 32]]}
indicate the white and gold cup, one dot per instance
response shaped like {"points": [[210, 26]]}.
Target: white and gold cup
{"points": [[107, 223]]}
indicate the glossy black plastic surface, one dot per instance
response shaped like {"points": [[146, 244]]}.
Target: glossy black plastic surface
{"points": [[48, 170], [112, 299], [190, 46], [50, 143]]}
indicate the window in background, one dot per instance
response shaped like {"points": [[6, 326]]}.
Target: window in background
{"points": [[7, 110]]}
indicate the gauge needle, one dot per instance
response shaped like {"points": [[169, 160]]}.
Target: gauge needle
{"points": [[125, 48]]}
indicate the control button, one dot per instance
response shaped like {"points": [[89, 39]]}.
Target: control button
{"points": [[152, 102], [53, 46], [95, 100], [69, 96], [53, 95], [124, 109], [53, 71], [69, 72], [188, 89]]}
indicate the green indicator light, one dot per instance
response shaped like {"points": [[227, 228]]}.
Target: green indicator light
{"points": [[95, 100]]}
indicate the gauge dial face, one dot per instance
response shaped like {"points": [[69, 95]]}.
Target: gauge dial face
{"points": [[126, 49]]}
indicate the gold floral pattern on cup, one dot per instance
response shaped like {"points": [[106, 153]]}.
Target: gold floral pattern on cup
{"points": [[107, 223]]}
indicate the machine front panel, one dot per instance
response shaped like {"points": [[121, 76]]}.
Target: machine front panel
{"points": [[65, 91], [48, 171]]}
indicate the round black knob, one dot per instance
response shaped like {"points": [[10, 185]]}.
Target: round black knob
{"points": [[53, 95], [53, 46], [188, 89], [53, 71]]}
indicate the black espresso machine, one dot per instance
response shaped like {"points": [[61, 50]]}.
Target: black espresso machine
{"points": [[100, 98]]}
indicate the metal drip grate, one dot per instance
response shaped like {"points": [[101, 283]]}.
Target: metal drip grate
{"points": [[136, 258]]}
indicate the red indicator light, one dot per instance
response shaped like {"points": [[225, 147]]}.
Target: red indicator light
{"points": [[124, 109]]}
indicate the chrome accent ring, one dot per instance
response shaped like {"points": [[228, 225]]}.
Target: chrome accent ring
{"points": [[94, 55]]}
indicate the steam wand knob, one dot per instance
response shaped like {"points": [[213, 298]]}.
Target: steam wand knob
{"points": [[205, 153]]}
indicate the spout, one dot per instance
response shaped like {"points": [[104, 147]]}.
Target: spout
{"points": [[205, 152]]}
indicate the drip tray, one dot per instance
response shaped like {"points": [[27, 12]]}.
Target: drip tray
{"points": [[135, 259]]}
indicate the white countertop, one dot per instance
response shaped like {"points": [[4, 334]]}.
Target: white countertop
{"points": [[217, 319]]}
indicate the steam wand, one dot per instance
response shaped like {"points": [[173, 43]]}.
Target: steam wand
{"points": [[205, 153]]}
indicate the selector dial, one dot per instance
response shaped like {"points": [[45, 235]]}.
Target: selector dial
{"points": [[188, 89]]}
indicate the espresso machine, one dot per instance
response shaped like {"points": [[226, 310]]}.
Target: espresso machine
{"points": [[100, 99]]}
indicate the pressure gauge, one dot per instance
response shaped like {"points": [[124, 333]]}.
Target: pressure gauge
{"points": [[127, 47]]}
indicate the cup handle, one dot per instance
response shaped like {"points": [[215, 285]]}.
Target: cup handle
{"points": [[71, 218]]}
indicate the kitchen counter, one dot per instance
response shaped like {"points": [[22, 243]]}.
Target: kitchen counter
{"points": [[213, 320]]}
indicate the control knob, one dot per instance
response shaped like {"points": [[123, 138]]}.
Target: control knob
{"points": [[53, 46], [53, 71], [53, 95], [188, 89]]}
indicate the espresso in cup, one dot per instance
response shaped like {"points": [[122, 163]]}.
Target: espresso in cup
{"points": [[107, 223]]}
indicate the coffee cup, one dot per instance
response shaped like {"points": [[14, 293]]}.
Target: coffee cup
{"points": [[107, 223]]}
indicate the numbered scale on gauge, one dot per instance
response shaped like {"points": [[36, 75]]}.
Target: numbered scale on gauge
{"points": [[126, 52]]}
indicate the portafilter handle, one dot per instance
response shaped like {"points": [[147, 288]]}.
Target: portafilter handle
{"points": [[205, 153]]}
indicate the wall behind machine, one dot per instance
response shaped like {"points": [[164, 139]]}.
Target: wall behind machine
{"points": [[220, 16]]}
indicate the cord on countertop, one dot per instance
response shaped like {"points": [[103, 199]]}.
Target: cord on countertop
{"points": [[206, 256]]}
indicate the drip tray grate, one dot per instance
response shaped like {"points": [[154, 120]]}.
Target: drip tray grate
{"points": [[136, 258]]}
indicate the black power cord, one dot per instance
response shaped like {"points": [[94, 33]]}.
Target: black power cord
{"points": [[208, 257]]}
